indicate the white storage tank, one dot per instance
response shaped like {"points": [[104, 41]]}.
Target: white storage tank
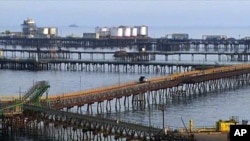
{"points": [[53, 31], [134, 31], [114, 32], [120, 32], [104, 32], [104, 29], [43, 30], [126, 31], [143, 31], [138, 30]]}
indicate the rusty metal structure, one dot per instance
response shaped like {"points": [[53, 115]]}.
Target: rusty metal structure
{"points": [[72, 126]]}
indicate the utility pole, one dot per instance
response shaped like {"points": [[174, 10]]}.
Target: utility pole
{"points": [[119, 75], [80, 82], [162, 108], [20, 95], [149, 116]]}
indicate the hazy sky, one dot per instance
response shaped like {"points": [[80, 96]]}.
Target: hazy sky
{"points": [[126, 12]]}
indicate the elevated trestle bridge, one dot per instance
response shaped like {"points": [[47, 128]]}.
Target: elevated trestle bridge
{"points": [[55, 117], [156, 90]]}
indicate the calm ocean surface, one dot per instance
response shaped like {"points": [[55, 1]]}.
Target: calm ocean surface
{"points": [[204, 111]]}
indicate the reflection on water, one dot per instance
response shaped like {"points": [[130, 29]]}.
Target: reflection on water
{"points": [[25, 138]]}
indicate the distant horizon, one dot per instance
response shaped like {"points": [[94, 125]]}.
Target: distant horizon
{"points": [[85, 25], [129, 12], [194, 17], [110, 25], [156, 31]]}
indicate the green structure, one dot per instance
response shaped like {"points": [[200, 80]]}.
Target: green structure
{"points": [[32, 96]]}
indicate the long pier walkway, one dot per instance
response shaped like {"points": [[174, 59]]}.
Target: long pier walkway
{"points": [[54, 119], [141, 62], [161, 43], [232, 55], [107, 65], [156, 90]]}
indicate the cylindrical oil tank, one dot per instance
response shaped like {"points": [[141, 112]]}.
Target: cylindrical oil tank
{"points": [[104, 29], [43, 30], [134, 32], [126, 31], [120, 32], [138, 30], [53, 31], [114, 32], [104, 32], [143, 30]]}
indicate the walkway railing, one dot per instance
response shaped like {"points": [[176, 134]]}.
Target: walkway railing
{"points": [[32, 96]]}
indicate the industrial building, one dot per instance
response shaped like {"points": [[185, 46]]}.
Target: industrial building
{"points": [[91, 35], [30, 30], [214, 37], [177, 36]]}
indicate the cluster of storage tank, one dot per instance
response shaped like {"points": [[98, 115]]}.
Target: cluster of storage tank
{"points": [[122, 31], [47, 31]]}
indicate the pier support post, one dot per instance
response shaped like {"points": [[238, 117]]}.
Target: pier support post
{"points": [[108, 106], [118, 104], [166, 57], [138, 101], [126, 103], [89, 109], [219, 57]]}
